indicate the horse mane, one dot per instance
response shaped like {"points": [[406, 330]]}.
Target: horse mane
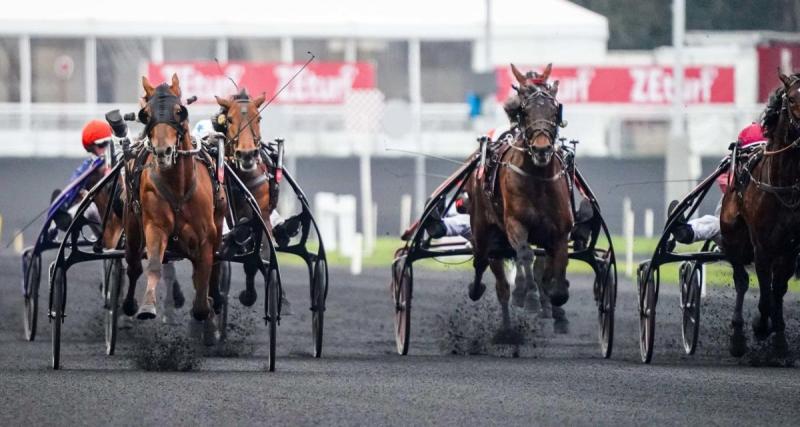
{"points": [[772, 113]]}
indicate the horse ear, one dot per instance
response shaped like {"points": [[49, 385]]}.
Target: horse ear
{"points": [[787, 81], [222, 102], [554, 89], [176, 85], [546, 72], [519, 76], [148, 88], [260, 100]]}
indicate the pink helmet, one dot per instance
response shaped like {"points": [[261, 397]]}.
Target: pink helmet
{"points": [[751, 134]]}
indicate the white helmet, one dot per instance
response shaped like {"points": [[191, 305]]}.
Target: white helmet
{"points": [[202, 129]]}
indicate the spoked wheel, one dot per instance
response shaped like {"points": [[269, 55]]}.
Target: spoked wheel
{"points": [[31, 275], [224, 289], [113, 288], [691, 277], [319, 287], [647, 312], [273, 297], [58, 291], [606, 304], [402, 277]]}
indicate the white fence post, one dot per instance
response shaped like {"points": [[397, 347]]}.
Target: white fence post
{"points": [[648, 223], [325, 208], [405, 212], [628, 219], [346, 215], [356, 258]]}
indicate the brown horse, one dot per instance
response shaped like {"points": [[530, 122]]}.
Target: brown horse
{"points": [[760, 221], [174, 204], [239, 119], [532, 204]]}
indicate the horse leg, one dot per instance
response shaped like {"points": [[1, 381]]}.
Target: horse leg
{"points": [[538, 276], [761, 326], [170, 284], [201, 264], [502, 288], [556, 273], [134, 261], [214, 288], [738, 345], [520, 286], [477, 288], [249, 295], [782, 271], [156, 245]]}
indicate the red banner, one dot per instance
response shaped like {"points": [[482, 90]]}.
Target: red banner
{"points": [[631, 84], [319, 83], [772, 57]]}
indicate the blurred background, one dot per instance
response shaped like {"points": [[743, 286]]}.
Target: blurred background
{"points": [[399, 87]]}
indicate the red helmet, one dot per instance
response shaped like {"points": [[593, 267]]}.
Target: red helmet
{"points": [[95, 132], [751, 134]]}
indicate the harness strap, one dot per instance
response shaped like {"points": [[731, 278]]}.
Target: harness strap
{"points": [[166, 193], [517, 169], [256, 181]]}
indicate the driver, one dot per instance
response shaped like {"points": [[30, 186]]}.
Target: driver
{"points": [[707, 227]]}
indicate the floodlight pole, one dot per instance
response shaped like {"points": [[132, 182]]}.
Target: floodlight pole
{"points": [[680, 162]]}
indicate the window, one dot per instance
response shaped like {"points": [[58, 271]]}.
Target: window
{"points": [[9, 69], [390, 59], [324, 50], [189, 49], [58, 73], [262, 50], [446, 71], [120, 64]]}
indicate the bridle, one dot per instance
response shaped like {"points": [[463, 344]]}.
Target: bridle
{"points": [[532, 129], [221, 124], [161, 106]]}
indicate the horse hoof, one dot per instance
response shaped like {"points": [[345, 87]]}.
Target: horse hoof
{"points": [[738, 344], [177, 295], [559, 297], [532, 304], [518, 298], [218, 302], [170, 317], [210, 332], [146, 312], [546, 312], [124, 322], [476, 291], [200, 315], [780, 348], [507, 336], [130, 307], [761, 329], [248, 298], [561, 326]]}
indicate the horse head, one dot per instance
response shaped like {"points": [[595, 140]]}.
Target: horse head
{"points": [[165, 120], [240, 121], [791, 95], [539, 114]]}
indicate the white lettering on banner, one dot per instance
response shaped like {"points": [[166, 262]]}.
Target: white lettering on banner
{"points": [[576, 89], [311, 87], [655, 86], [204, 86]]}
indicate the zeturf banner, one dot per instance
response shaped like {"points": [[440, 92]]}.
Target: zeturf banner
{"points": [[649, 84], [319, 83]]}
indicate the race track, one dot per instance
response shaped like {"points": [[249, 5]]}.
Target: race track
{"points": [[361, 381]]}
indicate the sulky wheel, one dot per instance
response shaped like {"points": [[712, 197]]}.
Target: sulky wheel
{"points": [[224, 289], [273, 297], [691, 277], [31, 274], [319, 288], [606, 304], [58, 291], [113, 289], [647, 312], [402, 277]]}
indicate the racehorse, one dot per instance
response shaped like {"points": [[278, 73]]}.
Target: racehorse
{"points": [[172, 204], [532, 203], [239, 120], [759, 220]]}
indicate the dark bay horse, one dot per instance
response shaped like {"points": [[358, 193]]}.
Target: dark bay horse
{"points": [[240, 121], [532, 203], [174, 204], [760, 221]]}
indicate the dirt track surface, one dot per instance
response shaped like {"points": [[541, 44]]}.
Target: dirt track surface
{"points": [[361, 381]]}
